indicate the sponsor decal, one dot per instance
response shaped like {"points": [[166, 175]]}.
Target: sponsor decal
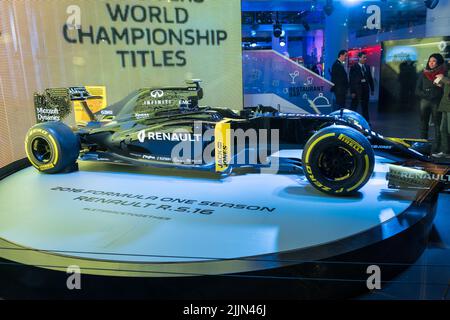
{"points": [[157, 94], [152, 157], [223, 152], [47, 114], [78, 92], [222, 144], [107, 112], [352, 143], [142, 115], [219, 145], [425, 176], [48, 111], [415, 176], [381, 147], [185, 104], [46, 166], [168, 136], [157, 102]]}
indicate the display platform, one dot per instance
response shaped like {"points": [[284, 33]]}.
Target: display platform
{"points": [[128, 222]]}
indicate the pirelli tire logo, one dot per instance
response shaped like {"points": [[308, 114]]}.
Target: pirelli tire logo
{"points": [[314, 180], [43, 134], [351, 143], [344, 179]]}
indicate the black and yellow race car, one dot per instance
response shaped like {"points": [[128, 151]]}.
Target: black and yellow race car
{"points": [[166, 127]]}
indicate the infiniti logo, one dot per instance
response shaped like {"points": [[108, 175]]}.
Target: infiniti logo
{"points": [[157, 93]]}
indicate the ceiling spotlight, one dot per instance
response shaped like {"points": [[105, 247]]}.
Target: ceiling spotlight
{"points": [[255, 27], [431, 4], [352, 1], [253, 44], [277, 29], [282, 41], [328, 8]]}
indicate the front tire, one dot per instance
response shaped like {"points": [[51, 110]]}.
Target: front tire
{"points": [[338, 160], [52, 147]]}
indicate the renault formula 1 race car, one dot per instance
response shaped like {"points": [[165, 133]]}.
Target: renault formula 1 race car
{"points": [[166, 127]]}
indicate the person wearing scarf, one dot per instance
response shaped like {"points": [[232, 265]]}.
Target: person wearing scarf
{"points": [[430, 96]]}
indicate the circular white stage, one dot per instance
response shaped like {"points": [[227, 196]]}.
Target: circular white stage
{"points": [[124, 221]]}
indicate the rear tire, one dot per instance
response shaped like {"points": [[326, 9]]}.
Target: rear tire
{"points": [[52, 147], [338, 160]]}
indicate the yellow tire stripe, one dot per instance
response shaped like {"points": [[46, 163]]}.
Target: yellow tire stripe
{"points": [[314, 143], [366, 162], [366, 172], [54, 145], [28, 154]]}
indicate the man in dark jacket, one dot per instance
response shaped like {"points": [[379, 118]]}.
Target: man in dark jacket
{"points": [[340, 79], [361, 84]]}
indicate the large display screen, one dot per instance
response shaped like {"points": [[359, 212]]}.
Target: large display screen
{"points": [[119, 45]]}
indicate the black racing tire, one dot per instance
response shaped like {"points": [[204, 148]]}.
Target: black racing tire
{"points": [[338, 160], [352, 116], [52, 147]]}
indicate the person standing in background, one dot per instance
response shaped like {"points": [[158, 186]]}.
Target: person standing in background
{"points": [[340, 79], [430, 96], [361, 84], [444, 109]]}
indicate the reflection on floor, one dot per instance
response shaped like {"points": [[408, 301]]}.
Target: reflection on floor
{"points": [[429, 277]]}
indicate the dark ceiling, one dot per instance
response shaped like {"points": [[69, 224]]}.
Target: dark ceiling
{"points": [[295, 14]]}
